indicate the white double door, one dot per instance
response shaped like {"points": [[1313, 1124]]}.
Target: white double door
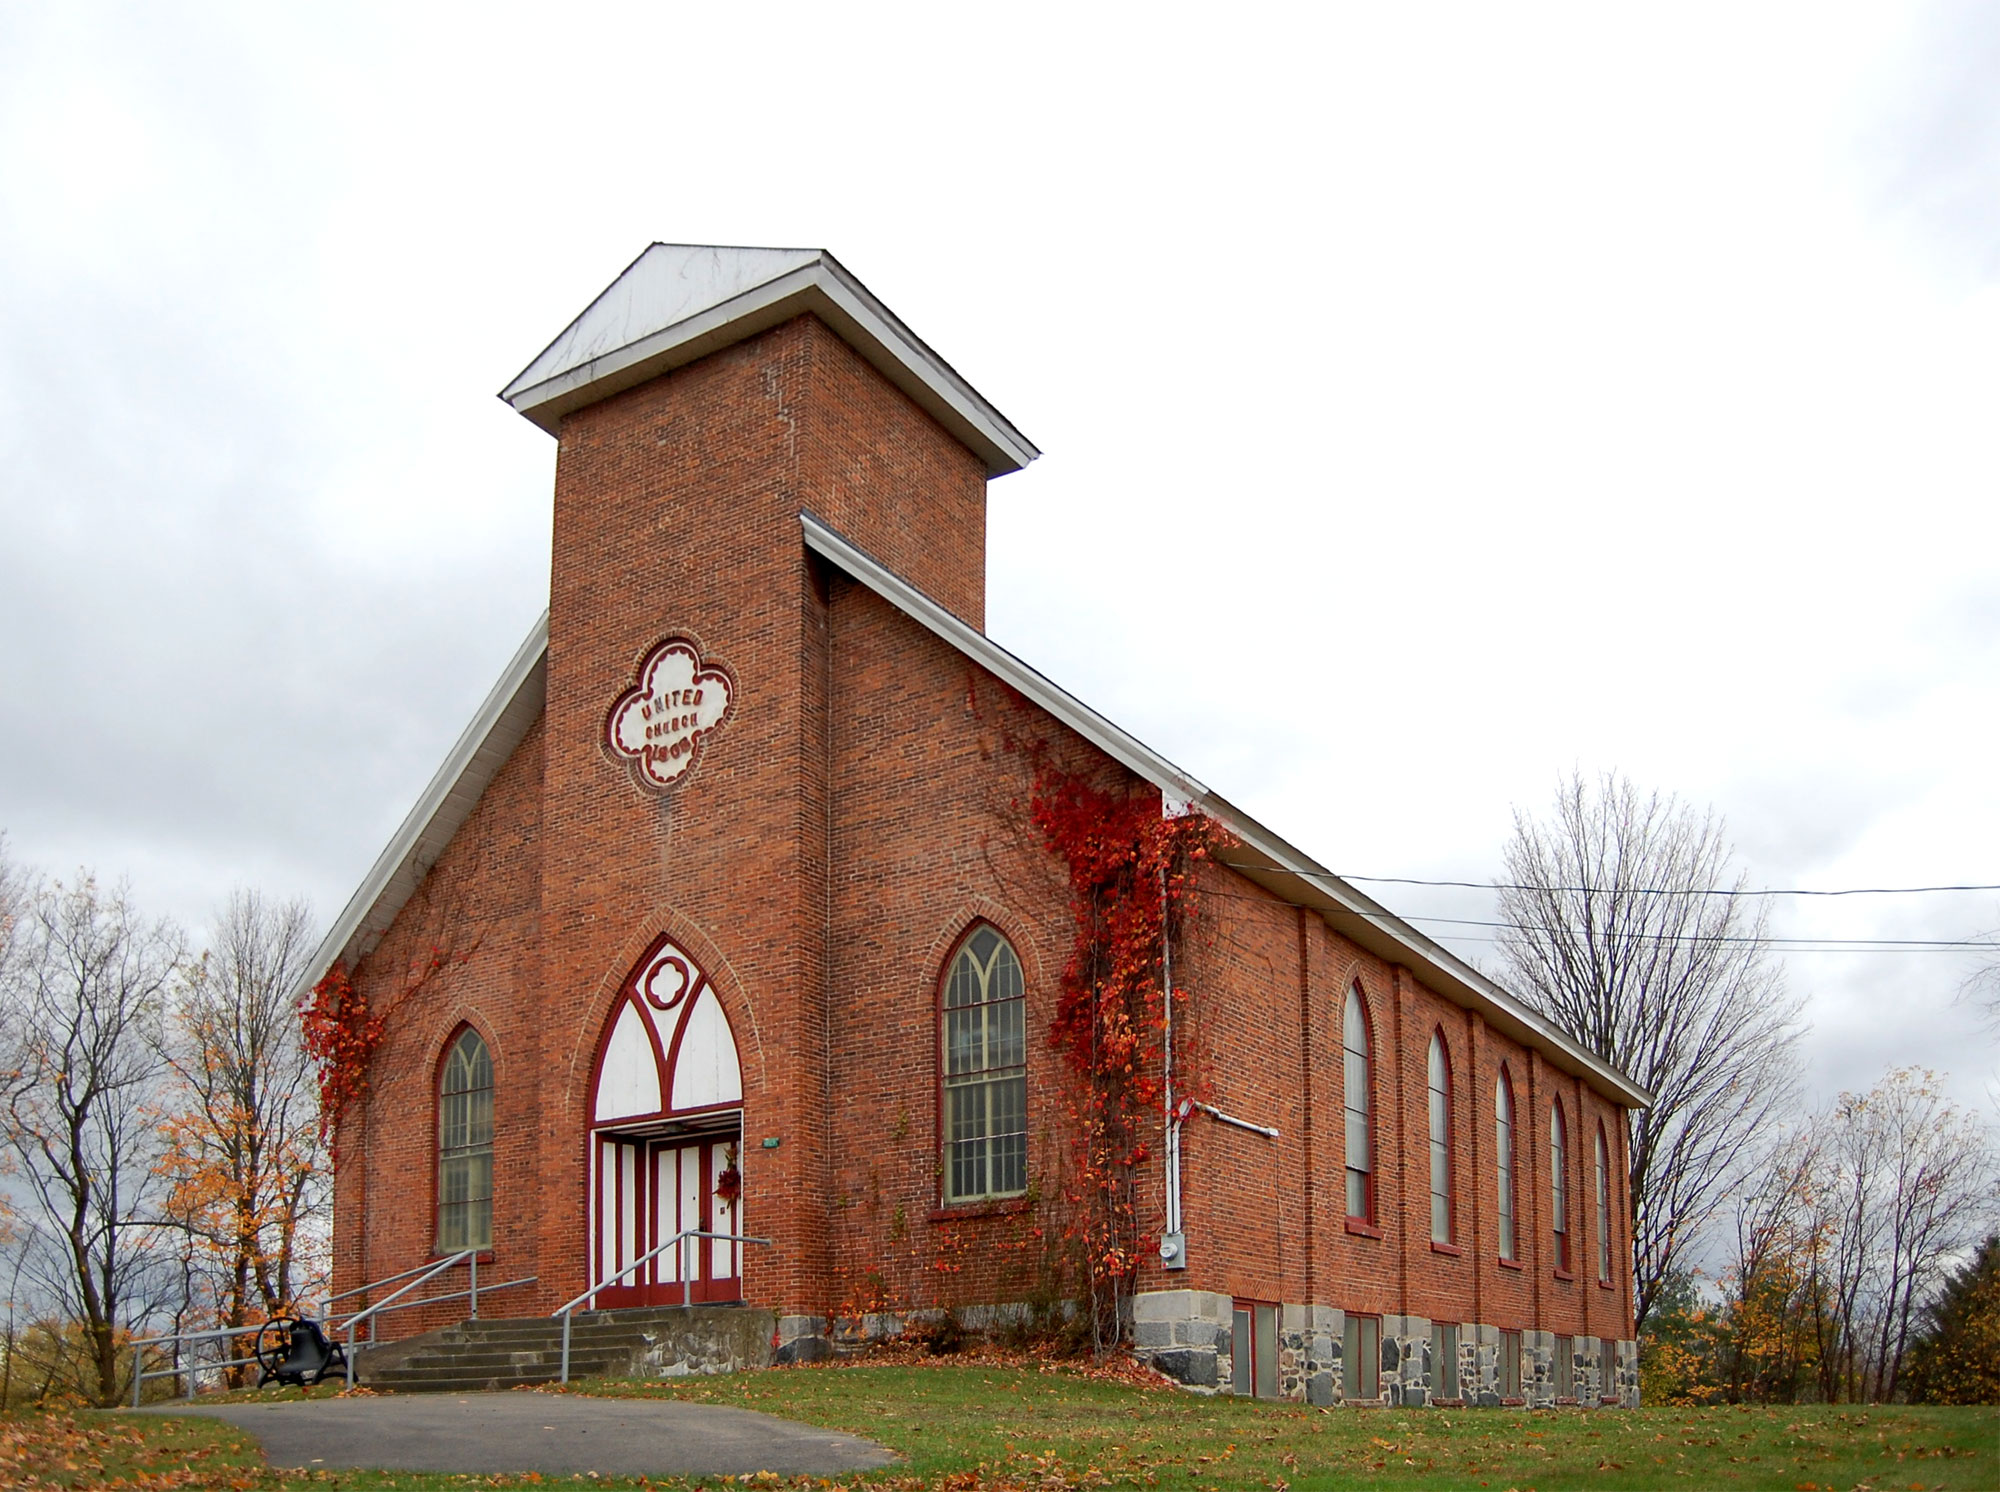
{"points": [[650, 1188]]}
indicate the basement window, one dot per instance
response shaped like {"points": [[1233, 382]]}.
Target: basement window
{"points": [[1361, 1357], [1444, 1360], [1254, 1350], [1510, 1365]]}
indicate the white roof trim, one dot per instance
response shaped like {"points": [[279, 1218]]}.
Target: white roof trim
{"points": [[502, 722], [679, 302], [1277, 866]]}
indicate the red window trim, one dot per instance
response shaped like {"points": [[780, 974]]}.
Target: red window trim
{"points": [[1563, 1261], [959, 1212], [942, 1206], [1368, 1176], [1450, 1137]]}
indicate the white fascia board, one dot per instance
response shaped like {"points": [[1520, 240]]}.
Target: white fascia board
{"points": [[825, 288], [502, 722], [1284, 871], [1002, 664]]}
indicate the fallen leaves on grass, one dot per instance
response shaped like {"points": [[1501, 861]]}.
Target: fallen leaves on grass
{"points": [[55, 1450]]}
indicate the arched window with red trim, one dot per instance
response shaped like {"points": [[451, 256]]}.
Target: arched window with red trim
{"points": [[1357, 1082], [985, 1071], [465, 1146], [1440, 1123], [1503, 1150], [1603, 1208], [1559, 1184]]}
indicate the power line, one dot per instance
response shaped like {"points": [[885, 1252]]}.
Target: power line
{"points": [[1327, 875], [1790, 945]]}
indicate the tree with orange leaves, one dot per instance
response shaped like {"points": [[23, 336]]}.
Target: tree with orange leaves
{"points": [[243, 1156]]}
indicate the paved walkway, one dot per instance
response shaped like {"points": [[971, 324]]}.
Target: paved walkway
{"points": [[555, 1434]]}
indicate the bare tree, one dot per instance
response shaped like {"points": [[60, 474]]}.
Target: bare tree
{"points": [[80, 1014], [1626, 927], [1936, 1201], [243, 1134], [1870, 1201]]}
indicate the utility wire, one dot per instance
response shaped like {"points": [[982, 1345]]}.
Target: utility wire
{"points": [[1794, 945], [1327, 875]]}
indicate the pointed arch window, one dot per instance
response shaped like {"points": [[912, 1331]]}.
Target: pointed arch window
{"points": [[465, 1147], [1603, 1209], [985, 1071], [1503, 1149], [1440, 1117], [1357, 1082], [1559, 1184]]}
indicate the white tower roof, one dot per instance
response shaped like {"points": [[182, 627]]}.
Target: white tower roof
{"points": [[679, 302]]}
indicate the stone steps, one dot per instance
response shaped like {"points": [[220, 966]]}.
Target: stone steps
{"points": [[651, 1341]]}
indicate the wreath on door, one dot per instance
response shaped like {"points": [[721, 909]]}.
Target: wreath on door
{"points": [[729, 1185]]}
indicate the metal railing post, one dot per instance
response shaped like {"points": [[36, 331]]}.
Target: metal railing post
{"points": [[138, 1378], [567, 1317], [687, 1274], [473, 1265]]}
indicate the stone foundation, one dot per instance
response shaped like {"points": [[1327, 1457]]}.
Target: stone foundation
{"points": [[1186, 1334]]}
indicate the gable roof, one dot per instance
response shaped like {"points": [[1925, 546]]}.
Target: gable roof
{"points": [[1262, 857], [679, 302]]}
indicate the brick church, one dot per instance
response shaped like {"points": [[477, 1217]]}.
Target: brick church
{"points": [[723, 914]]}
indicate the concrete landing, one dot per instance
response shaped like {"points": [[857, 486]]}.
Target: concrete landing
{"points": [[555, 1434]]}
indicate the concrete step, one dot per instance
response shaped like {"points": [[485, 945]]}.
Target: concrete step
{"points": [[507, 1352], [521, 1362], [443, 1385]]}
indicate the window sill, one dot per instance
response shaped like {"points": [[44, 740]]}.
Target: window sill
{"points": [[1449, 1250], [1513, 1401], [1565, 1403], [958, 1212], [1362, 1229], [438, 1256], [1447, 1403], [1611, 1399], [1509, 1263], [1606, 1285], [1562, 1274]]}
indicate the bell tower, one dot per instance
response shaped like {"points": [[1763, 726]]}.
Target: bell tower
{"points": [[702, 403]]}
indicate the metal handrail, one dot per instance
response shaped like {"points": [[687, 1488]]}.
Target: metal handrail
{"points": [[411, 1305], [139, 1376], [331, 1322], [567, 1310], [375, 1310], [387, 1279]]}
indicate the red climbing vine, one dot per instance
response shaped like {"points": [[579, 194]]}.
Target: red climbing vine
{"points": [[341, 1029], [1132, 874], [340, 1034]]}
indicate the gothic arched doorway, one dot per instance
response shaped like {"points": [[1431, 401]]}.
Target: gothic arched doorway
{"points": [[666, 1136]]}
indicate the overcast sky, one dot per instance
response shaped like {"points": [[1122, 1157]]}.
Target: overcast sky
{"points": [[1435, 400]]}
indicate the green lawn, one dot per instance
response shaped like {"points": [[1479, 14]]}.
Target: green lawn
{"points": [[963, 1427]]}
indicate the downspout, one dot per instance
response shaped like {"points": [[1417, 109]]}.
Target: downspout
{"points": [[1173, 1242]]}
